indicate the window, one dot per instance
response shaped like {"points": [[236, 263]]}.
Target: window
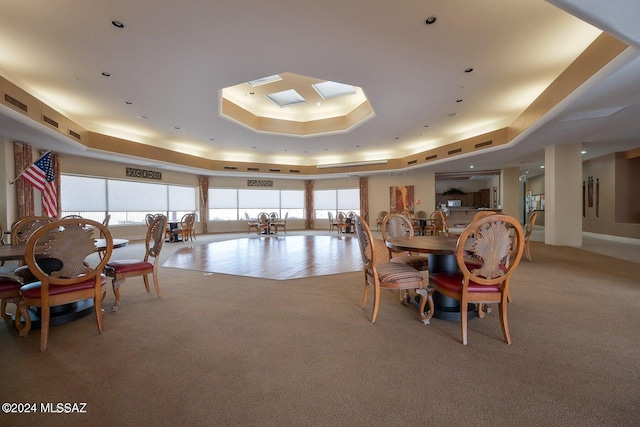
{"points": [[334, 201], [128, 202], [227, 204]]}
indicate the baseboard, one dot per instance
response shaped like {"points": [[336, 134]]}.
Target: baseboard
{"points": [[619, 239]]}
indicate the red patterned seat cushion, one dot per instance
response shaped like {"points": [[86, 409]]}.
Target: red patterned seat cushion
{"points": [[32, 290], [127, 266], [9, 284], [453, 282]]}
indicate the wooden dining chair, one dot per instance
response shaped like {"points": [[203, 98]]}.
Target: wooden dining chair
{"points": [[21, 230], [333, 223], [251, 223], [396, 225], [186, 229], [341, 220], [120, 270], [65, 273], [531, 222], [10, 293], [388, 275], [262, 226], [498, 241], [381, 216]]}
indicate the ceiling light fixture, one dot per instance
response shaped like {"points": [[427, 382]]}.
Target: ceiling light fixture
{"points": [[104, 73], [468, 70], [117, 24], [430, 20]]}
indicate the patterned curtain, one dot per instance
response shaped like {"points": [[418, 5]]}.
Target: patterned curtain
{"points": [[203, 184], [55, 160], [24, 191], [308, 204], [364, 198]]}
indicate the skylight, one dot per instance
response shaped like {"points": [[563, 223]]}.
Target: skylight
{"points": [[264, 80], [286, 98], [333, 90]]}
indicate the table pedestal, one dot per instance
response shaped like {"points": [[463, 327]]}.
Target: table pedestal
{"points": [[447, 308], [61, 314]]}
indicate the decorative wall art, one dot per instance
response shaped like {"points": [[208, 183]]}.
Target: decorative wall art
{"points": [[401, 198], [590, 191]]}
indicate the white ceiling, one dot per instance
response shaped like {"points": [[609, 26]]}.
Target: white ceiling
{"points": [[173, 58]]}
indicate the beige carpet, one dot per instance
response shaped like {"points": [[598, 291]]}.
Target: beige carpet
{"points": [[238, 351]]}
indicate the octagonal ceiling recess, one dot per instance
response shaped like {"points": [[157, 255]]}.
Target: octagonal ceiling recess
{"points": [[296, 105]]}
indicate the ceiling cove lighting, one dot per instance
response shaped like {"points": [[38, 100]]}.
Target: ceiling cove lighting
{"points": [[347, 165]]}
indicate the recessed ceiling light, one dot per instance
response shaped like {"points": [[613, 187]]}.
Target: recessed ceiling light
{"points": [[128, 102], [176, 127], [430, 20], [453, 114], [468, 70], [471, 167], [583, 152], [117, 24], [458, 100], [104, 73], [143, 117], [542, 167]]}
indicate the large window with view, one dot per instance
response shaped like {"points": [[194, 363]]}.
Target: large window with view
{"points": [[334, 201], [227, 204], [128, 202]]}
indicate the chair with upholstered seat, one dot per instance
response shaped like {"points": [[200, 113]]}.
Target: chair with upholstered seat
{"points": [[67, 276], [531, 221], [341, 220], [262, 226], [419, 222], [251, 223], [498, 241], [186, 229], [388, 275], [281, 223], [21, 230], [396, 225], [120, 270], [381, 216], [10, 293], [333, 223]]}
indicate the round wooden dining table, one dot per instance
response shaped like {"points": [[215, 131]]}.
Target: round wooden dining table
{"points": [[441, 251]]}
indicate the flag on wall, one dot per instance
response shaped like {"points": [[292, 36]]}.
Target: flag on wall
{"points": [[41, 176]]}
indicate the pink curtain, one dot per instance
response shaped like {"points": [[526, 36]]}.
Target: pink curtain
{"points": [[308, 204], [364, 198], [24, 191], [203, 184]]}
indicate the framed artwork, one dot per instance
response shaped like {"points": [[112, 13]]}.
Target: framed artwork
{"points": [[401, 198], [590, 191]]}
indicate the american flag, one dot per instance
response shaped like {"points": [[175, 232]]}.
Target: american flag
{"points": [[41, 176]]}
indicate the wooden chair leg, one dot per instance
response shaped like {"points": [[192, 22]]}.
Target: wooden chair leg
{"points": [[376, 303], [115, 283], [44, 327], [156, 283], [503, 321], [463, 320]]}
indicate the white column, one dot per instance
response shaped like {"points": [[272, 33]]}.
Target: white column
{"points": [[563, 194]]}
